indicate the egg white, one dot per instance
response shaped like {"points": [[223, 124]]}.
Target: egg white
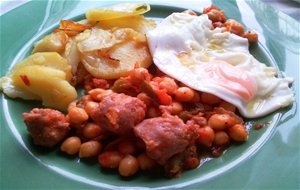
{"points": [[184, 47]]}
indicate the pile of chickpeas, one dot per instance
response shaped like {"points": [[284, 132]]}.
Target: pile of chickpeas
{"points": [[229, 25], [220, 127]]}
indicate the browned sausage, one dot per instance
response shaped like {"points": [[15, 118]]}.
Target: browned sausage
{"points": [[47, 127], [164, 136], [119, 113]]}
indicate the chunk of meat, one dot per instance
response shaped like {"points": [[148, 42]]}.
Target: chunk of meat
{"points": [[47, 127], [119, 113], [164, 136]]}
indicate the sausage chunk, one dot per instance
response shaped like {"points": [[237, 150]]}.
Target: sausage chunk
{"points": [[119, 113], [164, 136], [47, 127]]}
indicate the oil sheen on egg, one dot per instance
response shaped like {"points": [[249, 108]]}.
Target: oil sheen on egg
{"points": [[184, 47]]}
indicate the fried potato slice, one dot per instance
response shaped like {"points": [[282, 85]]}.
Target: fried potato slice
{"points": [[47, 83], [41, 76], [136, 22], [117, 11], [130, 50], [48, 59], [54, 42]]}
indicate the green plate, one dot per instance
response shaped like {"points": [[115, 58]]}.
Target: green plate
{"points": [[269, 160]]}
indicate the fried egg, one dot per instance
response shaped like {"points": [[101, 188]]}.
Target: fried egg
{"points": [[184, 47]]}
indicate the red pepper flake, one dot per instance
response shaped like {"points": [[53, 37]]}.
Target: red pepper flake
{"points": [[25, 80]]}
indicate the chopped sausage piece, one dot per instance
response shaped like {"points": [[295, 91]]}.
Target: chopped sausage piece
{"points": [[164, 136], [119, 113], [47, 127]]}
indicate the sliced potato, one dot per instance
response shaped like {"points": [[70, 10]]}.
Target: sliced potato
{"points": [[132, 53], [54, 42], [117, 11], [98, 39], [42, 76], [118, 61], [136, 22], [48, 83], [72, 55], [48, 59]]}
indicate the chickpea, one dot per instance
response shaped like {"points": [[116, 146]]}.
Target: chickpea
{"points": [[110, 159], [72, 105], [234, 26], [71, 145], [221, 121], [169, 84], [128, 166], [145, 98], [138, 75], [90, 149], [196, 97], [95, 92], [106, 93], [199, 120], [77, 115], [174, 108], [145, 162], [86, 98], [206, 136], [127, 146], [221, 138], [90, 106], [251, 36], [216, 15], [91, 130], [83, 101], [209, 99], [153, 112], [184, 94], [227, 106], [238, 132]]}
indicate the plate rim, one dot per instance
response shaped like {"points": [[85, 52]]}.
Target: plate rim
{"points": [[2, 121]]}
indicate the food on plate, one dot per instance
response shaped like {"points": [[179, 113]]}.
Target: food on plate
{"points": [[111, 55], [219, 21], [74, 50], [125, 15], [71, 28], [217, 62], [163, 97], [119, 113], [54, 42], [117, 11], [165, 136], [138, 23], [146, 117], [43, 76], [47, 127]]}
